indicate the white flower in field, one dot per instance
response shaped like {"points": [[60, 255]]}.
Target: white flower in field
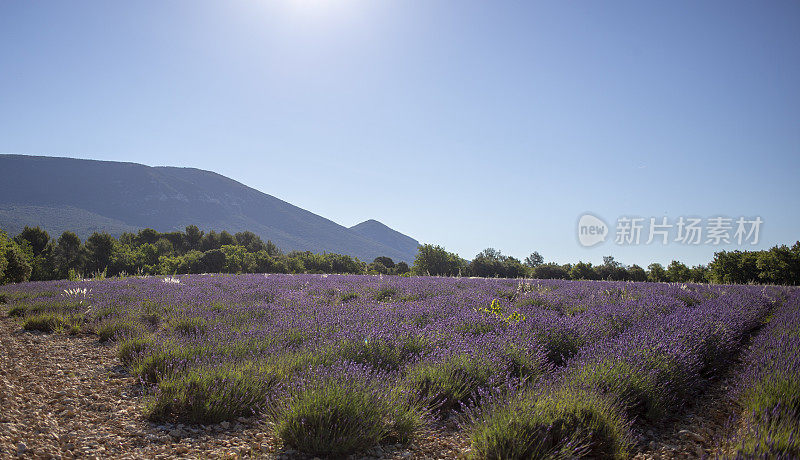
{"points": [[77, 292], [171, 280]]}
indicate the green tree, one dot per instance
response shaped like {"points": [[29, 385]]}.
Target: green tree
{"points": [[737, 267], [213, 261], [636, 273], [656, 273], [487, 263], [780, 264], [193, 237], [551, 271], [68, 255], [377, 267], [385, 261], [435, 260], [226, 238], [250, 241], [210, 241], [583, 271], [611, 270], [164, 247], [18, 269], [237, 259], [699, 274], [5, 243], [534, 260], [147, 236], [38, 239], [273, 250], [678, 272], [99, 248]]}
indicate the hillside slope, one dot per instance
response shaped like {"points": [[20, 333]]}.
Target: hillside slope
{"points": [[116, 197], [379, 232]]}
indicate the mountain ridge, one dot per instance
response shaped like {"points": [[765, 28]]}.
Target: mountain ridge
{"points": [[118, 196]]}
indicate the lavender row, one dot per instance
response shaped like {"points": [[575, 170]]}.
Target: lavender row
{"points": [[769, 388], [656, 365], [587, 408]]}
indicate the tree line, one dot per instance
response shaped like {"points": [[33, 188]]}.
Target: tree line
{"points": [[777, 265], [33, 255]]}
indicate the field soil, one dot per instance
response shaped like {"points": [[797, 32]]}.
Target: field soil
{"points": [[69, 396]]}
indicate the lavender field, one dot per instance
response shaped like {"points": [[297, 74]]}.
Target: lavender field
{"points": [[521, 368]]}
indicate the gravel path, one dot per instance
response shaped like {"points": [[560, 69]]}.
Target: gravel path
{"points": [[65, 397]]}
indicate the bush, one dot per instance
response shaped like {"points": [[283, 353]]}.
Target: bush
{"points": [[567, 423], [166, 362], [445, 385], [131, 349], [348, 297], [45, 322], [385, 294], [560, 343], [17, 269], [525, 362], [644, 390], [340, 416], [384, 354], [206, 396], [110, 330], [192, 325], [551, 271]]}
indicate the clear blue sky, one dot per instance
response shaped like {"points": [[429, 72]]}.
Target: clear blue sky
{"points": [[463, 123]]}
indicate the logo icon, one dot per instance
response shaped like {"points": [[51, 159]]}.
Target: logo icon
{"points": [[591, 230]]}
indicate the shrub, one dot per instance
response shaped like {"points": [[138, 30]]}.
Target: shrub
{"points": [[45, 322], [348, 297], [384, 354], [131, 349], [16, 310], [191, 325], [18, 269], [769, 388], [204, 395], [566, 423], [385, 294], [644, 390], [560, 343], [165, 362], [770, 438], [38, 308], [110, 330], [340, 416], [446, 384], [525, 362]]}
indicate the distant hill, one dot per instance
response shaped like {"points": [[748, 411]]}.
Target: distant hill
{"points": [[84, 196], [379, 232]]}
